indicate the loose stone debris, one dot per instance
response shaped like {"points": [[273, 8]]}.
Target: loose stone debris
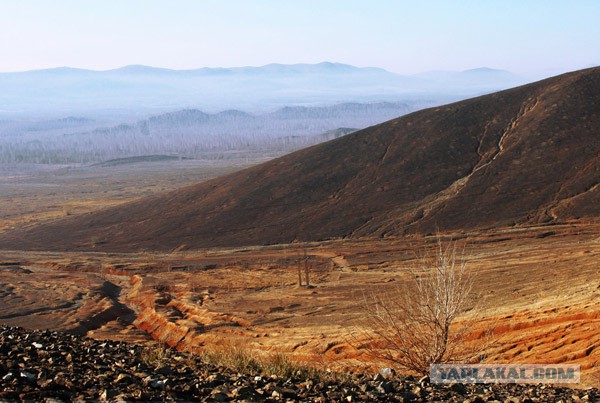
{"points": [[52, 366]]}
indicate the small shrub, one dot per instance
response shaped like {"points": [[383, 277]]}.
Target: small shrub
{"points": [[415, 326]]}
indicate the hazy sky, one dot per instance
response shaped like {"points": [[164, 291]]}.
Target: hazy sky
{"points": [[527, 37]]}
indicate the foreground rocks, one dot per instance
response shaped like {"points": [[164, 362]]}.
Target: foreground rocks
{"points": [[44, 365]]}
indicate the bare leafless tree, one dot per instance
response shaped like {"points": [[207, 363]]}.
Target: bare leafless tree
{"points": [[415, 325]]}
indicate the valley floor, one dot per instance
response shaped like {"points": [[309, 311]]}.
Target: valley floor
{"points": [[539, 286]]}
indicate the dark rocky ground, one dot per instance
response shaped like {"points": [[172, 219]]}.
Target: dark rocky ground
{"points": [[52, 366]]}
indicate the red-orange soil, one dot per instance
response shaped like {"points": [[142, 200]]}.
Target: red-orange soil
{"points": [[539, 286]]}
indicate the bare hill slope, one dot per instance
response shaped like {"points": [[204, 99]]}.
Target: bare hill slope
{"points": [[526, 155]]}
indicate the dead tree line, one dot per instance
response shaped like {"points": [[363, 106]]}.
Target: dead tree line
{"points": [[303, 265]]}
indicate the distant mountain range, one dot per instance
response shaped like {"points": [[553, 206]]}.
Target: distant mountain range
{"points": [[67, 115], [528, 155], [134, 90]]}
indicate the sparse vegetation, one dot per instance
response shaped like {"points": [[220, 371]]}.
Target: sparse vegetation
{"points": [[245, 360], [304, 265], [157, 355], [416, 325], [232, 357]]}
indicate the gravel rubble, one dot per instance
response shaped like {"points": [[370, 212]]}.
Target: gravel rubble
{"points": [[53, 367]]}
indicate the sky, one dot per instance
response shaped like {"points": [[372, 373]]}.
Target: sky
{"points": [[533, 38]]}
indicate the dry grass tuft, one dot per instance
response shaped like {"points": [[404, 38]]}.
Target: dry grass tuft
{"points": [[255, 362], [156, 356]]}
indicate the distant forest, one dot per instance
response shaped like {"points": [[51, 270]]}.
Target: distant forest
{"points": [[188, 133]]}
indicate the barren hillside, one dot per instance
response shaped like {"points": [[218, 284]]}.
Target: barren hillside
{"points": [[526, 155]]}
